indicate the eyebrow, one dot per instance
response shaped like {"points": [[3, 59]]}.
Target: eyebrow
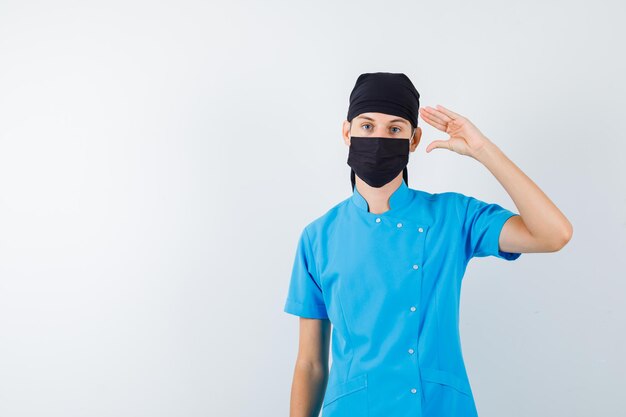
{"points": [[390, 121]]}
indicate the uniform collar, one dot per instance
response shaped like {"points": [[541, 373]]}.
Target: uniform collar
{"points": [[398, 199]]}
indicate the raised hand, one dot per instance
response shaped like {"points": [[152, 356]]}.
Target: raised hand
{"points": [[465, 138]]}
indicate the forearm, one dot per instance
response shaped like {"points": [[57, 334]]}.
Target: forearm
{"points": [[541, 216], [307, 391]]}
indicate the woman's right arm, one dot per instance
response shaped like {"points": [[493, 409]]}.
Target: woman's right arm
{"points": [[311, 369]]}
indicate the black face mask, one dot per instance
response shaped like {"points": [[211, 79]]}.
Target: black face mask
{"points": [[378, 160]]}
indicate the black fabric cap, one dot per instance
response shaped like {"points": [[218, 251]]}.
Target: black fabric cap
{"points": [[385, 92]]}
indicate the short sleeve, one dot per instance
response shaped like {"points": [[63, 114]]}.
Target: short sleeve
{"points": [[482, 223], [304, 297]]}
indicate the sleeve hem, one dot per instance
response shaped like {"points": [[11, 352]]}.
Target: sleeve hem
{"points": [[312, 311], [494, 237]]}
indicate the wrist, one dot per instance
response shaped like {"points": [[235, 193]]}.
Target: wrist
{"points": [[487, 152]]}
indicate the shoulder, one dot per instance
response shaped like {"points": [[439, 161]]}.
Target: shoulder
{"points": [[321, 225], [441, 197], [445, 202]]}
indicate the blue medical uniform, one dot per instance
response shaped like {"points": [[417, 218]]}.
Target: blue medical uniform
{"points": [[390, 284]]}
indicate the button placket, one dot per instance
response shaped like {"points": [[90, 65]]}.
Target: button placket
{"points": [[416, 268], [420, 246], [420, 243]]}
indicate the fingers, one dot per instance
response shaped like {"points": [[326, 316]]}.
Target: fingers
{"points": [[440, 117], [434, 121], [448, 112], [443, 114]]}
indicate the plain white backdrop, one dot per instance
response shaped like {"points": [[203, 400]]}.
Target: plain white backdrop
{"points": [[159, 159]]}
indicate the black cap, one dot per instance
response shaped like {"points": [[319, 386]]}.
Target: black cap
{"points": [[385, 92]]}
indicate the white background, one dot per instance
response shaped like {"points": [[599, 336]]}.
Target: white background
{"points": [[158, 161]]}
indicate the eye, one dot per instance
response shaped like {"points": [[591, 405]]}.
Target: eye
{"points": [[366, 124], [397, 131]]}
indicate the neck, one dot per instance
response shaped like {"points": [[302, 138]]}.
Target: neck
{"points": [[378, 198]]}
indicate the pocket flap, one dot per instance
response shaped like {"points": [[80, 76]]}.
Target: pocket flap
{"points": [[338, 390], [446, 378]]}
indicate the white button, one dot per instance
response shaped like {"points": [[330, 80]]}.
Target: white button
{"points": [[420, 230], [413, 390], [415, 266], [413, 308], [377, 219], [399, 224], [411, 351]]}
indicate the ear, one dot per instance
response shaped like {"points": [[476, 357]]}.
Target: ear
{"points": [[417, 136], [345, 132]]}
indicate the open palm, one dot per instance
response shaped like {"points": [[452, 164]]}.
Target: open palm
{"points": [[465, 138]]}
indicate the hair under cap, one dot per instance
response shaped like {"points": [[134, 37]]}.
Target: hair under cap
{"points": [[385, 92]]}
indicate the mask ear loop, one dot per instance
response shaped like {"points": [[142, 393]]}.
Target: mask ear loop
{"points": [[405, 171], [352, 179]]}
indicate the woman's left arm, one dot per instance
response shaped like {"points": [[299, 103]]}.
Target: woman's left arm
{"points": [[541, 226]]}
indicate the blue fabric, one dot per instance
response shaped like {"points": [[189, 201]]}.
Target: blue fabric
{"points": [[390, 284]]}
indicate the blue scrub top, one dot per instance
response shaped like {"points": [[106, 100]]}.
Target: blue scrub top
{"points": [[390, 284]]}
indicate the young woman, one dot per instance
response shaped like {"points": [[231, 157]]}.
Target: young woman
{"points": [[385, 265]]}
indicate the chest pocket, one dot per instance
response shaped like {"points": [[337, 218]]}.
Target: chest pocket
{"points": [[347, 399]]}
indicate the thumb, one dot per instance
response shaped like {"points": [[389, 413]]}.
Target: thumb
{"points": [[438, 144]]}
